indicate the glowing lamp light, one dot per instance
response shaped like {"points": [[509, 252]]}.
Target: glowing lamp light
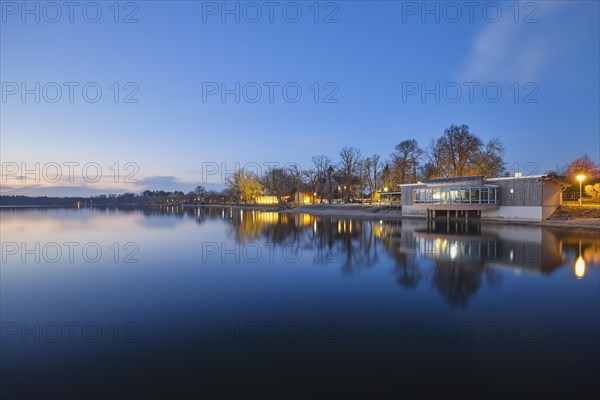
{"points": [[580, 178], [385, 189], [579, 267]]}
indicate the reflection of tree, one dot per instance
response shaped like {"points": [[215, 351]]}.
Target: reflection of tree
{"points": [[457, 259], [457, 281], [458, 268], [454, 260], [368, 242], [408, 271], [199, 214], [406, 266], [357, 245]]}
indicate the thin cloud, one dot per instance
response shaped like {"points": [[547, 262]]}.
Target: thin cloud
{"points": [[168, 183], [508, 51]]}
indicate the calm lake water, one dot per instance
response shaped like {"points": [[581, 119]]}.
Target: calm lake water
{"points": [[210, 302]]}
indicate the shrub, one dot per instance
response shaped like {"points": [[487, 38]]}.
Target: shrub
{"points": [[593, 191]]}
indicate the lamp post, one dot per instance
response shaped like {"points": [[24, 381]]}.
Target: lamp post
{"points": [[580, 178], [385, 189]]}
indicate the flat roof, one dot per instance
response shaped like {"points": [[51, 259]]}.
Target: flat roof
{"points": [[455, 179], [478, 177], [505, 178], [546, 177]]}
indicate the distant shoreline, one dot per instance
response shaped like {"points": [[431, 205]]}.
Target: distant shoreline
{"points": [[354, 211]]}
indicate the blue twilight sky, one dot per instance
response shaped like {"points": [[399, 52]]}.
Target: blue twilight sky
{"points": [[374, 58]]}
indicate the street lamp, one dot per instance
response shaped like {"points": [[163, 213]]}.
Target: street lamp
{"points": [[580, 178]]}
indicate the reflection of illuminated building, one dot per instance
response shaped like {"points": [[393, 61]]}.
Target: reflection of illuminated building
{"points": [[456, 247], [530, 249], [306, 219], [303, 220], [267, 217], [344, 226]]}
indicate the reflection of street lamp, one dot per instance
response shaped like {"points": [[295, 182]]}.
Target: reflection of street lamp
{"points": [[579, 264], [580, 268], [453, 251], [580, 178]]}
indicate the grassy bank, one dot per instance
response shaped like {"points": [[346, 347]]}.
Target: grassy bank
{"points": [[567, 212]]}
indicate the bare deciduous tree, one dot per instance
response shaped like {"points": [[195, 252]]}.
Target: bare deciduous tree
{"points": [[349, 169], [460, 153], [281, 182], [321, 164], [372, 171], [406, 160]]}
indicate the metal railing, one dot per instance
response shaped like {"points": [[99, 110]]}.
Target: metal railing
{"points": [[575, 196]]}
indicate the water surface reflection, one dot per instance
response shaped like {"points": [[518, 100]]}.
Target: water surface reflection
{"points": [[224, 303]]}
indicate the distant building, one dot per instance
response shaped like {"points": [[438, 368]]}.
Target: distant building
{"points": [[532, 198], [266, 200], [301, 198]]}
